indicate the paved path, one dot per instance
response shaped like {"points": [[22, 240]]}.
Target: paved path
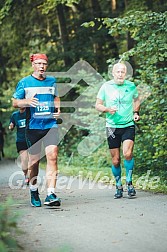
{"points": [[89, 220]]}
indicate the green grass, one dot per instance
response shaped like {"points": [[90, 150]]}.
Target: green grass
{"points": [[146, 181]]}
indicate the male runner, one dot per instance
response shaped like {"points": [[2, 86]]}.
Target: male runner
{"points": [[119, 99], [38, 93]]}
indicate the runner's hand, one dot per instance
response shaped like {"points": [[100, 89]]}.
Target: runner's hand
{"points": [[33, 102], [136, 117], [111, 110], [56, 114], [11, 126]]}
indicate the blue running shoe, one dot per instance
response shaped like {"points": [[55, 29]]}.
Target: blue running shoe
{"points": [[35, 200], [119, 192], [131, 191], [52, 200]]}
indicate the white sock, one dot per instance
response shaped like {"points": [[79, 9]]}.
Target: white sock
{"points": [[33, 187], [50, 191]]}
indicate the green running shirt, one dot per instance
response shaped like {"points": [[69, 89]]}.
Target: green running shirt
{"points": [[120, 96]]}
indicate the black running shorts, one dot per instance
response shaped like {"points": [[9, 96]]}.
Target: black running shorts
{"points": [[36, 137], [21, 146], [116, 136]]}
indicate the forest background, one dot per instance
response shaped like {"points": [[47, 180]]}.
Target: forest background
{"points": [[97, 32]]}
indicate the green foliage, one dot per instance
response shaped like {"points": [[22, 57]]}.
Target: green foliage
{"points": [[49, 5], [8, 225], [4, 11], [147, 29]]}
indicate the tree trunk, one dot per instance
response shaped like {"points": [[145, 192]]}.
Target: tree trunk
{"points": [[63, 33], [113, 5]]}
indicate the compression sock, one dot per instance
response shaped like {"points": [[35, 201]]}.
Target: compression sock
{"points": [[117, 174], [129, 165]]}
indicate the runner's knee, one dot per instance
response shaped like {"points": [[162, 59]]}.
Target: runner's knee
{"points": [[127, 154], [116, 161]]}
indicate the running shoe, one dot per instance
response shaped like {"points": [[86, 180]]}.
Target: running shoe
{"points": [[35, 200], [119, 192], [131, 191], [52, 200]]}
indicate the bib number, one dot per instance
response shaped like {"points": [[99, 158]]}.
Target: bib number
{"points": [[22, 123], [42, 109]]}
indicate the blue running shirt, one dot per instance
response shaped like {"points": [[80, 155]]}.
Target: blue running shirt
{"points": [[45, 90]]}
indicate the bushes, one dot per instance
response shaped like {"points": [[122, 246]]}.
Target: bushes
{"points": [[8, 228]]}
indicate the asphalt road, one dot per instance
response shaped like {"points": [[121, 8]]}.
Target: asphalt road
{"points": [[89, 219]]}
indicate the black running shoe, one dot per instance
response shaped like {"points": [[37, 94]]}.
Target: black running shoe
{"points": [[131, 191], [119, 192]]}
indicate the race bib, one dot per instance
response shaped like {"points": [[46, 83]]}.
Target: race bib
{"points": [[43, 109], [22, 123]]}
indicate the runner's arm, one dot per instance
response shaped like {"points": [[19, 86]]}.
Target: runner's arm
{"points": [[57, 107], [136, 107], [22, 103]]}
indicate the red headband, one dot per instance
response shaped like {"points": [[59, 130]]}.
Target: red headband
{"points": [[38, 56]]}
